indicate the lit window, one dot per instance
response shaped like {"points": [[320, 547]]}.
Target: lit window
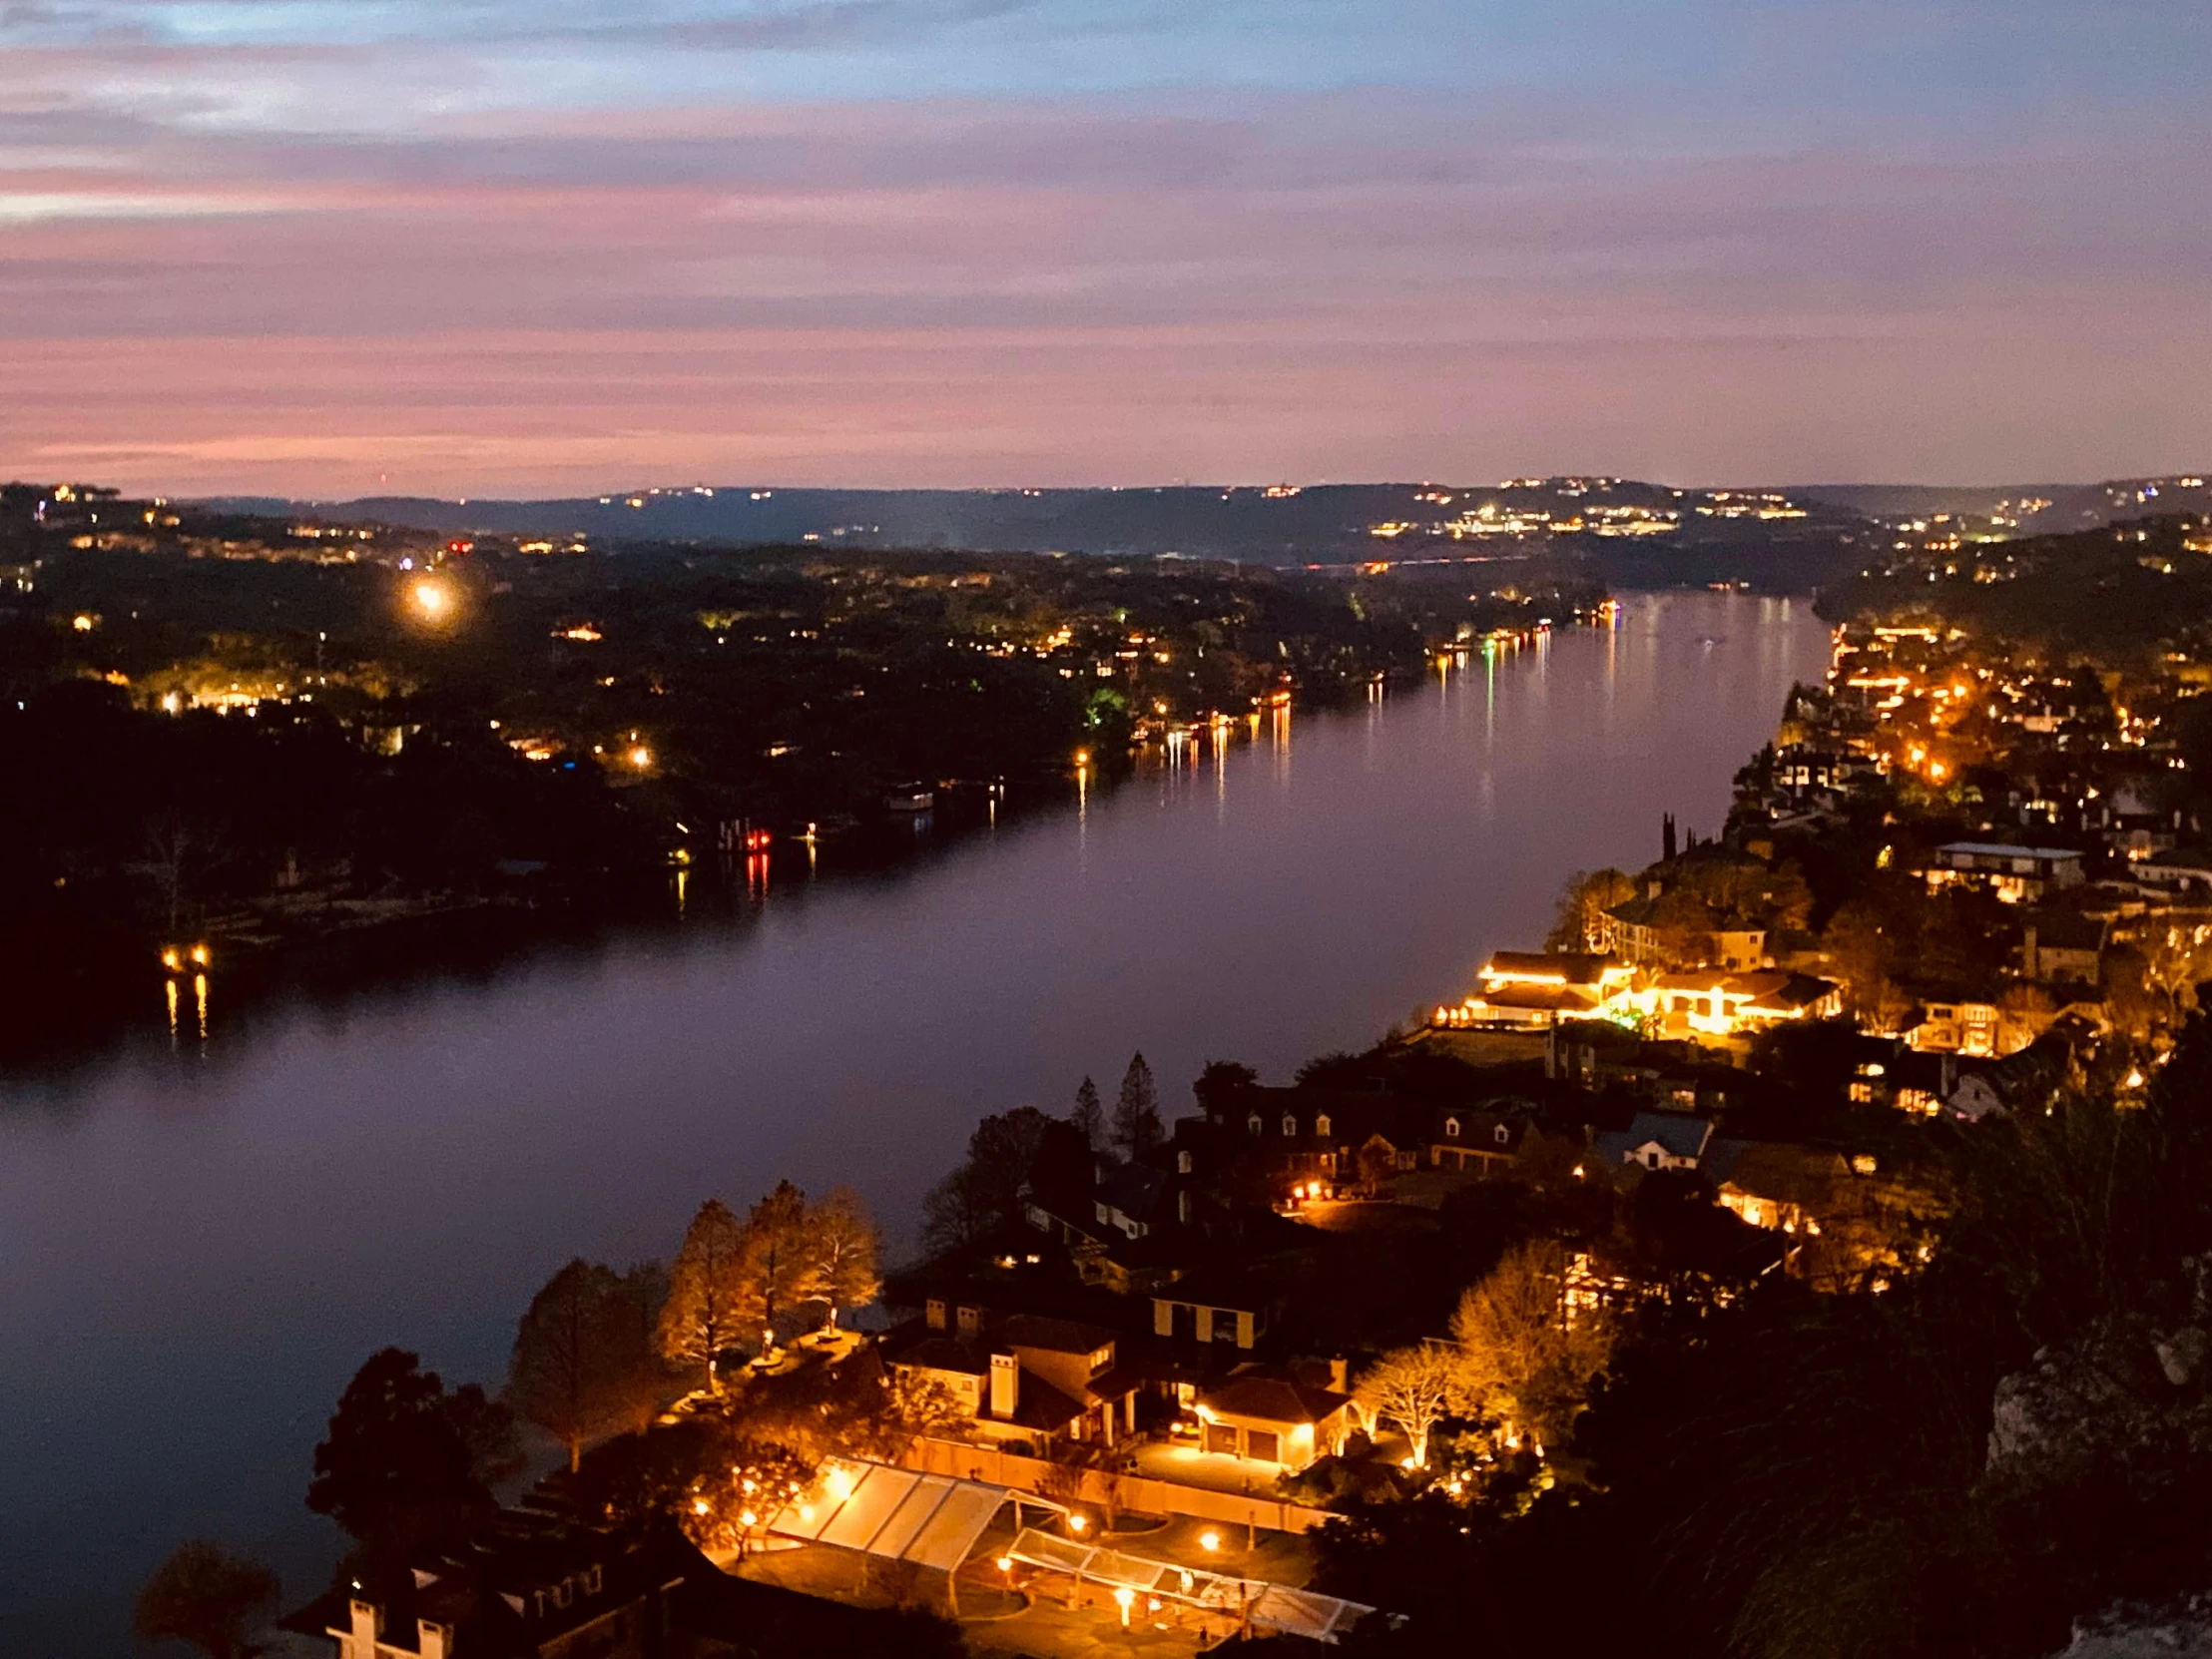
{"points": [[1321, 1124], [1289, 1124]]}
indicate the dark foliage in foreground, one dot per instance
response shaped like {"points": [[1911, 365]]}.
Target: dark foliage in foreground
{"points": [[1956, 1467]]}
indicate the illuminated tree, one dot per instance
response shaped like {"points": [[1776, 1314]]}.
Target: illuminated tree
{"points": [[842, 1247], [1521, 1355], [776, 1265], [206, 1596], [707, 1291], [1589, 894], [1136, 1126], [1411, 1387]]}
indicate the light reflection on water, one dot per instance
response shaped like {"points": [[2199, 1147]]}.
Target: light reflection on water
{"points": [[193, 1260]]}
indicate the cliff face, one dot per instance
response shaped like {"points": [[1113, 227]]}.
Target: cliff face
{"points": [[2183, 1632], [2129, 1394]]}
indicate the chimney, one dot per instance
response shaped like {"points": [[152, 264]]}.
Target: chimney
{"points": [[1339, 1375], [1005, 1385], [970, 1320], [2027, 953], [367, 1623], [934, 1313], [433, 1641]]}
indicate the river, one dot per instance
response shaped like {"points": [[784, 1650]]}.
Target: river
{"points": [[197, 1252]]}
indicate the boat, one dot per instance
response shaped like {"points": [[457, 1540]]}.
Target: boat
{"points": [[911, 798]]}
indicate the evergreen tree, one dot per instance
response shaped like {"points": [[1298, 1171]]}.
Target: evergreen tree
{"points": [[1089, 1115], [1136, 1126]]}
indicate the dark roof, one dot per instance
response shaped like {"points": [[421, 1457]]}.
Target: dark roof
{"points": [[1576, 967], [521, 1584], [1134, 1189], [1272, 1399], [938, 1351], [1042, 1406], [1053, 1335], [1678, 1133]]}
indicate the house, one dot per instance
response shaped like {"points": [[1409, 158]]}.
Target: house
{"points": [[1020, 1377], [529, 1585], [2185, 874], [2062, 946], [1265, 1419], [2016, 874], [1850, 1216], [1710, 1003], [1227, 1305], [1484, 1141], [1972, 1028], [1533, 989], [1661, 929], [1654, 1140]]}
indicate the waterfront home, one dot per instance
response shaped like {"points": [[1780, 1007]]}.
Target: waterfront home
{"points": [[1533, 989], [1710, 1003], [527, 1586], [1020, 1378]]}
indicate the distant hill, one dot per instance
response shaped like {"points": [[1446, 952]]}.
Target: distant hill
{"points": [[1275, 525], [2030, 509]]}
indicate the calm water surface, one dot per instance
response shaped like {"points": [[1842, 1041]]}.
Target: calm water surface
{"points": [[196, 1255]]}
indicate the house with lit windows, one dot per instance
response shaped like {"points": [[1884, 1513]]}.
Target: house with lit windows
{"points": [[1020, 1378], [1532, 990]]}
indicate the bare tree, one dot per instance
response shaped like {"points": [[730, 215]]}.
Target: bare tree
{"points": [[843, 1248], [584, 1362], [705, 1291], [1413, 1388], [206, 1595], [1521, 1355], [777, 1269]]}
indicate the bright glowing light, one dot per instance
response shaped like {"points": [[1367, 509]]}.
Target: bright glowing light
{"points": [[82, 623], [641, 756], [699, 1506], [431, 599], [199, 955], [747, 1517], [1077, 1523], [1005, 1563], [173, 960], [1209, 1540], [1125, 1598]]}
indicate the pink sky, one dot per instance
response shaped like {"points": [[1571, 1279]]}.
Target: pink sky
{"points": [[334, 270]]}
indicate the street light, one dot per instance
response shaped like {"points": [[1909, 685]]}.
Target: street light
{"points": [[431, 599]]}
